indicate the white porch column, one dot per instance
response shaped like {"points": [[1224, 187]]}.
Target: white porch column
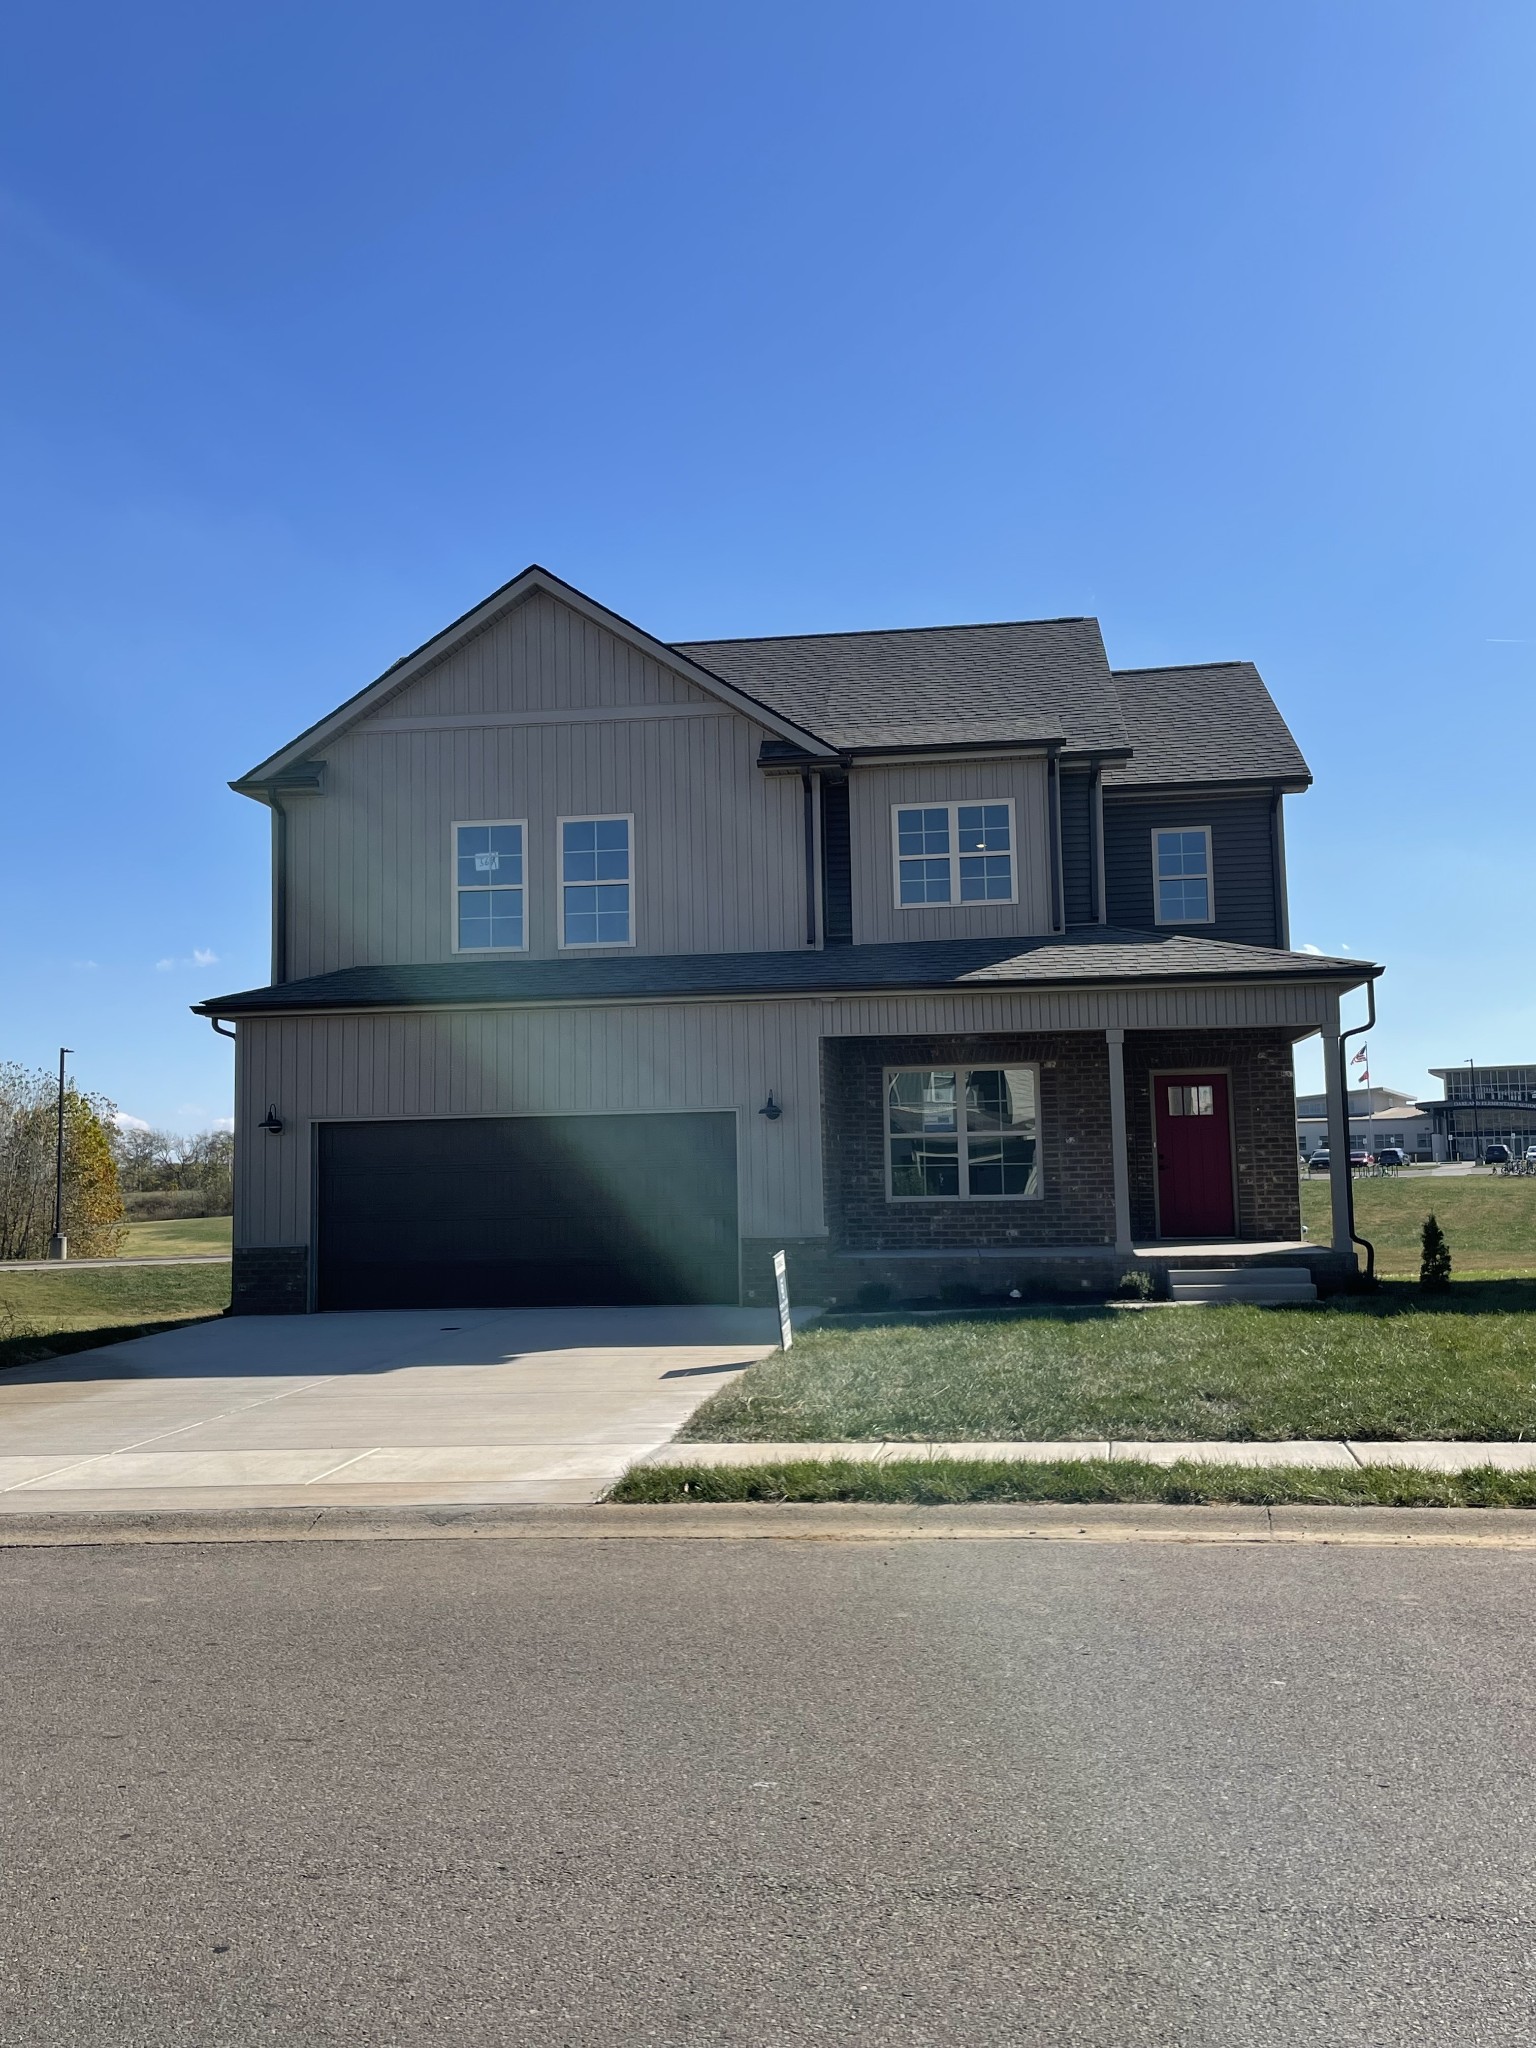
{"points": [[1338, 1136], [1119, 1157]]}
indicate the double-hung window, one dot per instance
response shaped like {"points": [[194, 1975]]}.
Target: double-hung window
{"points": [[963, 1133], [1181, 875], [489, 888], [596, 882], [953, 853]]}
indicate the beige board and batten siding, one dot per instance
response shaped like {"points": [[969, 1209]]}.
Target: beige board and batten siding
{"points": [[873, 792], [512, 726], [648, 1056]]}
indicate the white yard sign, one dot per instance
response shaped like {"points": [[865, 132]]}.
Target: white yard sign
{"points": [[781, 1281]]}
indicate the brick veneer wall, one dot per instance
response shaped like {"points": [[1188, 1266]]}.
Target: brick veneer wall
{"points": [[269, 1280], [1263, 1096], [1077, 1206]]}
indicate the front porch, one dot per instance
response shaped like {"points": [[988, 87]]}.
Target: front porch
{"points": [[997, 1167]]}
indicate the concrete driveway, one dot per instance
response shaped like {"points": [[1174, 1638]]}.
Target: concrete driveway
{"points": [[512, 1405]]}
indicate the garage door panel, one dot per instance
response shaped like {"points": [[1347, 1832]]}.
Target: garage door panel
{"points": [[505, 1211]]}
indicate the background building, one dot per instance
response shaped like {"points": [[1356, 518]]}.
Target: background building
{"points": [[1482, 1106], [1377, 1116]]}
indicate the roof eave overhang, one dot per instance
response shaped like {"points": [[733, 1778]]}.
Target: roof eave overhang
{"points": [[1222, 785], [533, 579], [1343, 980]]}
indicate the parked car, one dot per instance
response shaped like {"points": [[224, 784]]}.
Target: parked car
{"points": [[1358, 1156], [1530, 1155], [1318, 1163], [1391, 1155], [1495, 1155]]}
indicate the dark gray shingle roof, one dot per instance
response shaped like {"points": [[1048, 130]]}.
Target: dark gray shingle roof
{"points": [[1212, 723], [1037, 679], [1101, 954]]}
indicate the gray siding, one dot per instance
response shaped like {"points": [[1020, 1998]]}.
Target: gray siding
{"points": [[1077, 846], [648, 1056], [1242, 859], [542, 716], [873, 792]]}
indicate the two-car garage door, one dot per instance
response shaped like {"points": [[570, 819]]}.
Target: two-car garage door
{"points": [[470, 1212]]}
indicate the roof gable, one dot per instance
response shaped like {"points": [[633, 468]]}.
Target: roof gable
{"points": [[533, 581]]}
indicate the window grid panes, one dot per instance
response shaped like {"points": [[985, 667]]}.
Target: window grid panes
{"points": [[489, 888], [595, 882], [954, 853], [963, 1134], [1183, 876]]}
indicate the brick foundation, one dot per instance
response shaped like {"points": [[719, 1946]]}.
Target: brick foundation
{"points": [[270, 1280]]}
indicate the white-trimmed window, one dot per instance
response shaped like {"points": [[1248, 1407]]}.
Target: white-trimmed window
{"points": [[596, 881], [953, 853], [489, 887], [1181, 874], [962, 1134]]}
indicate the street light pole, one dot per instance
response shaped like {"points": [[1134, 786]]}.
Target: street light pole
{"points": [[1477, 1122], [58, 1244]]}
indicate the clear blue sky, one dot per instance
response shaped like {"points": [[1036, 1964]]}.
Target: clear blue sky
{"points": [[1214, 320]]}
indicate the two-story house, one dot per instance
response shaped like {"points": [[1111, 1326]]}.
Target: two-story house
{"points": [[603, 969]]}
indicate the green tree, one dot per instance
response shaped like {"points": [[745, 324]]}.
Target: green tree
{"points": [[1434, 1256], [93, 1202]]}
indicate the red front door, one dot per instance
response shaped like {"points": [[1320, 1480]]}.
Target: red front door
{"points": [[1194, 1156]]}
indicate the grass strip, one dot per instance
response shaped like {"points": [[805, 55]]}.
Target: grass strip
{"points": [[16, 1351], [940, 1482], [1397, 1364], [49, 1314]]}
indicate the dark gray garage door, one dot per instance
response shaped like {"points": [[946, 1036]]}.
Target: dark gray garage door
{"points": [[485, 1212]]}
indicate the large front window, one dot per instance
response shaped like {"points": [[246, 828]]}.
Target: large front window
{"points": [[963, 1133], [595, 882], [488, 888], [1181, 867], [953, 853]]}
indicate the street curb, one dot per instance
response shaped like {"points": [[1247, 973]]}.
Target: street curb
{"points": [[859, 1522]]}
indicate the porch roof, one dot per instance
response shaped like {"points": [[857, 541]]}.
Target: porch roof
{"points": [[1095, 956]]}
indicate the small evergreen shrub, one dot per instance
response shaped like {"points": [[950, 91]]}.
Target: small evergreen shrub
{"points": [[1434, 1257], [1136, 1285]]}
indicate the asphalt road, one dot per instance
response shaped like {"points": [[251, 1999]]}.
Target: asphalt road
{"points": [[567, 1792]]}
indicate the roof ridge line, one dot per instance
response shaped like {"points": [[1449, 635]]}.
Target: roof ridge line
{"points": [[1164, 668], [869, 632]]}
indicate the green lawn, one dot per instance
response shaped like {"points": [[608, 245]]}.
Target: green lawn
{"points": [[939, 1482], [1386, 1366], [42, 1314], [1489, 1218], [177, 1238]]}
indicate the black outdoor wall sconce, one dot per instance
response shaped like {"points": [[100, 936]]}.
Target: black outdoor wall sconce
{"points": [[771, 1109], [271, 1123]]}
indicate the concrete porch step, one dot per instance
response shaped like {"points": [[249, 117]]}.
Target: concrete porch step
{"points": [[1263, 1286]]}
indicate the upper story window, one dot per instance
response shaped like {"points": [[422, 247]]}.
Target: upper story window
{"points": [[953, 853], [596, 882], [1181, 875], [489, 888], [962, 1134]]}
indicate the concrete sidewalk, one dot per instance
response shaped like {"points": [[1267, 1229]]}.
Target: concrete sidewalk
{"points": [[1340, 1453]]}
